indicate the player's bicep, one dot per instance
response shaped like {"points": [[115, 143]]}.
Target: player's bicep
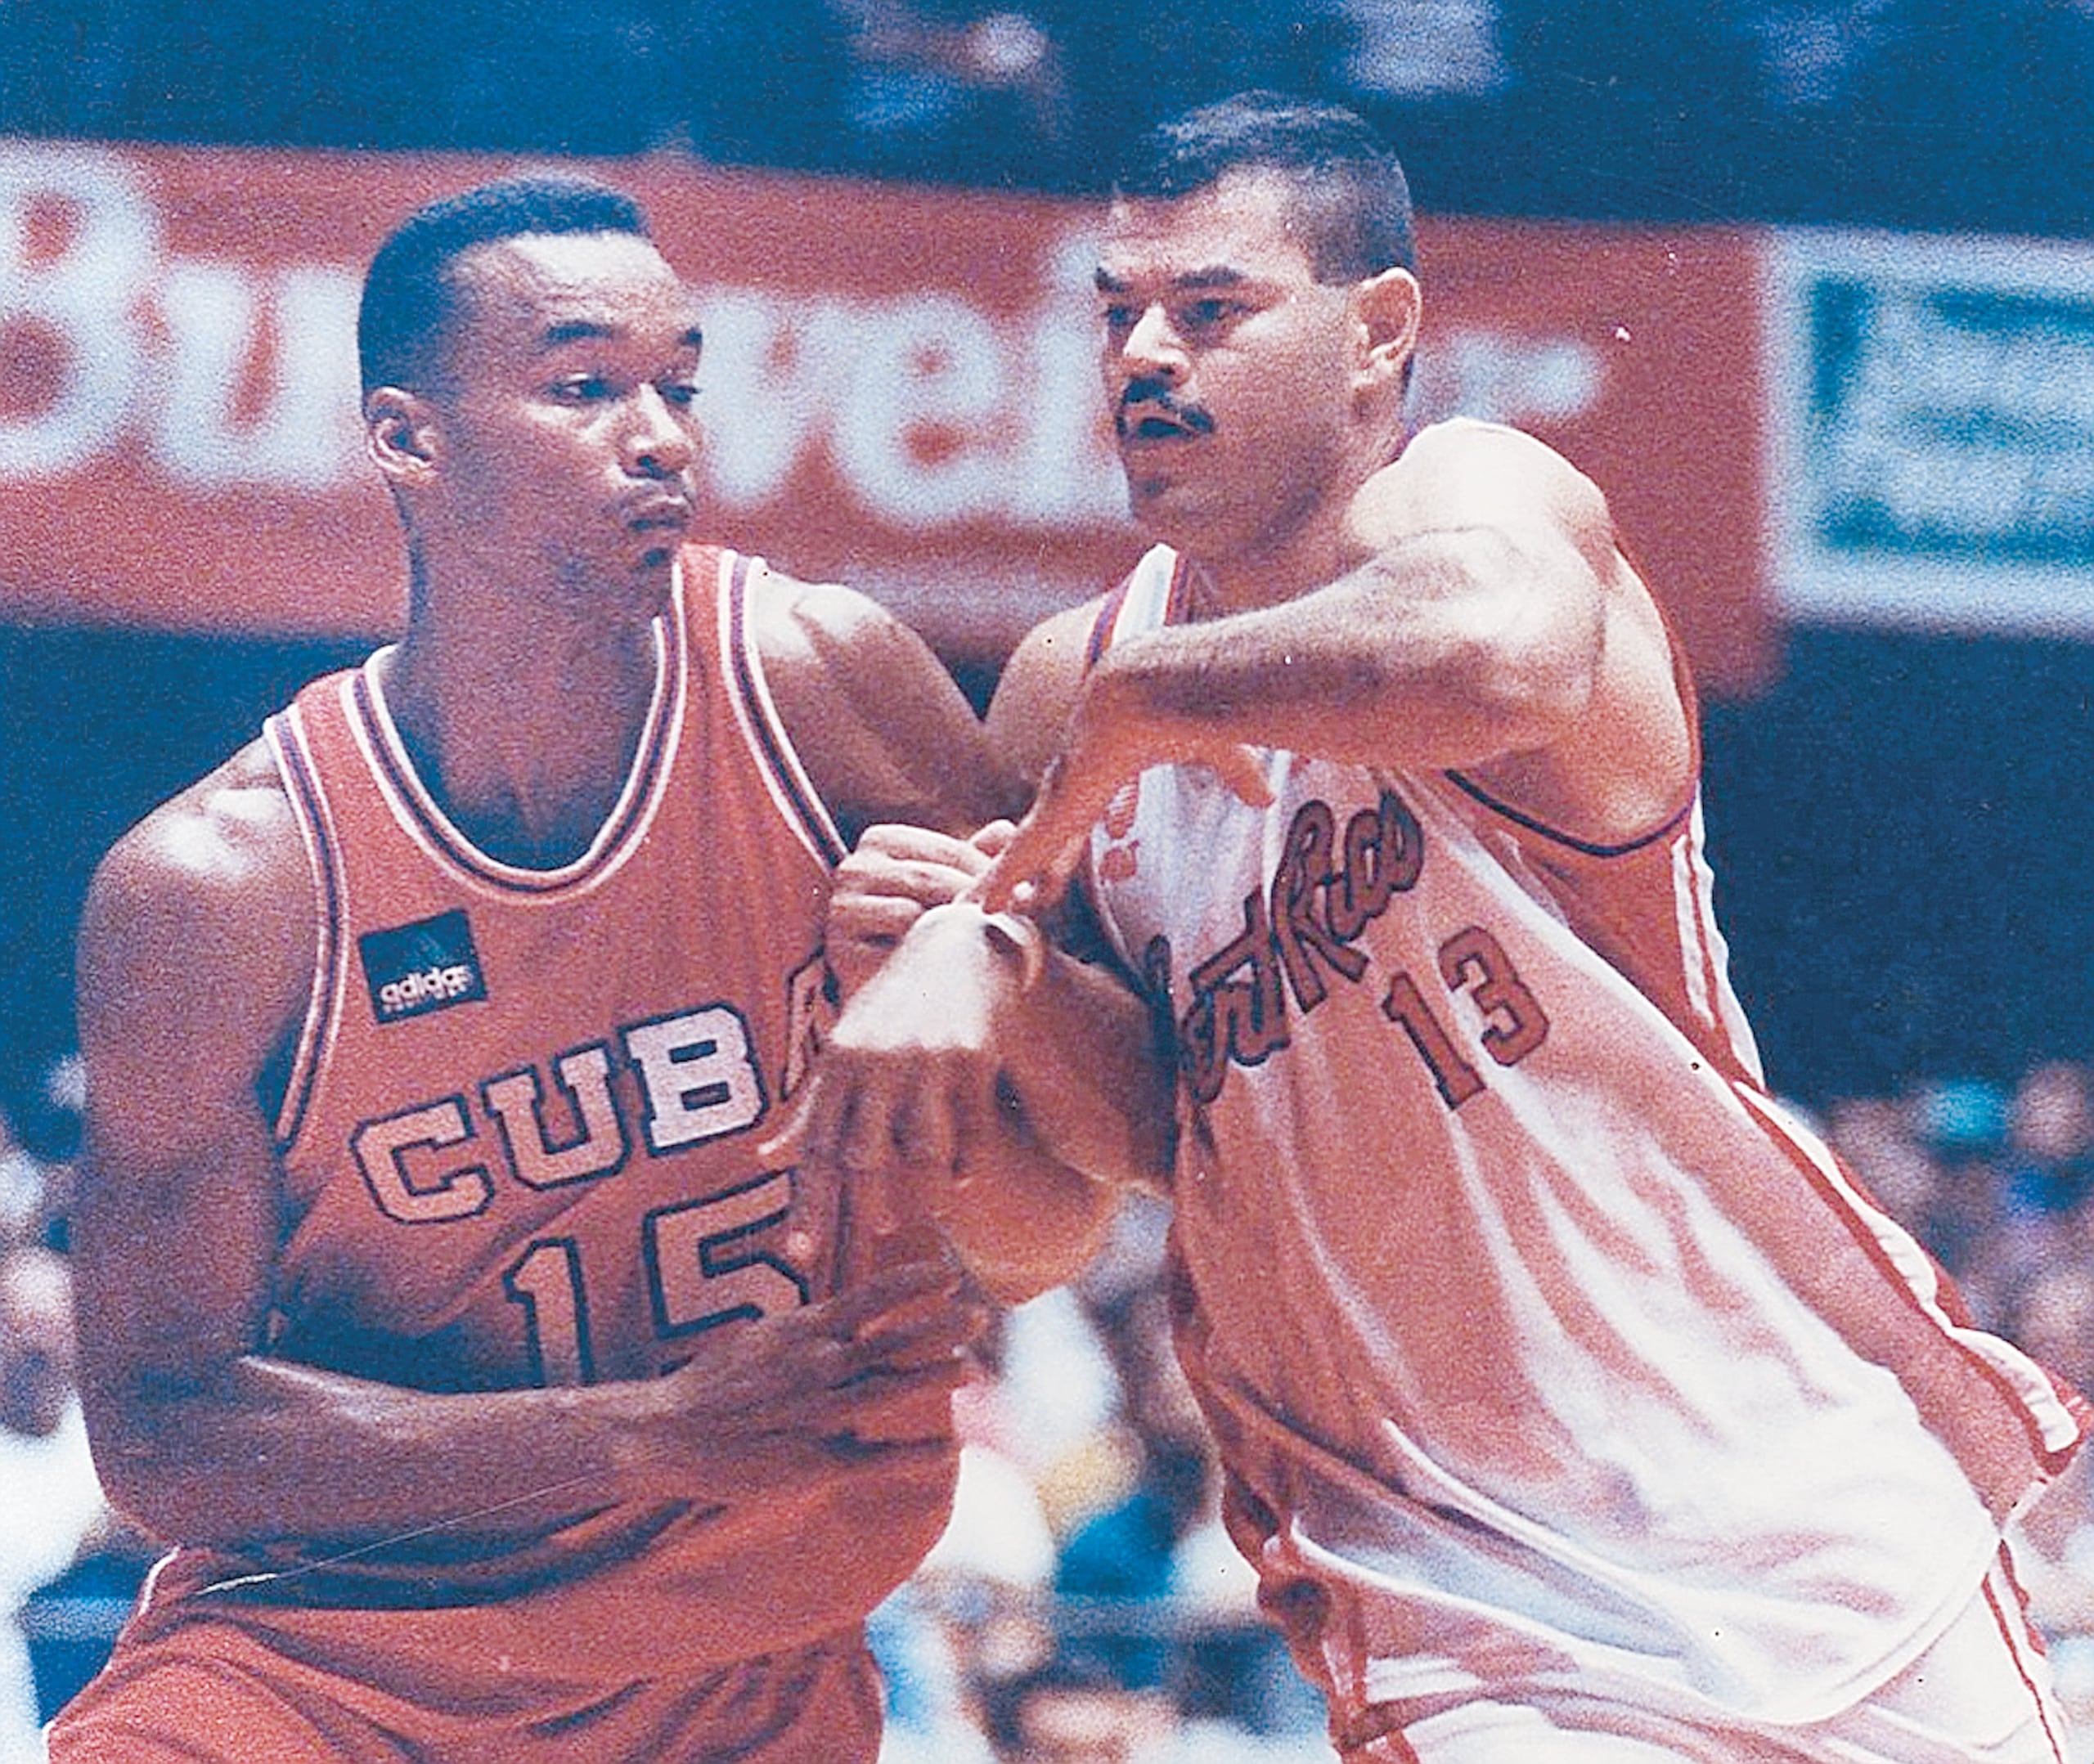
{"points": [[181, 995], [884, 729], [1029, 715]]}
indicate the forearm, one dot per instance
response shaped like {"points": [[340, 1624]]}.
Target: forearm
{"points": [[276, 1450], [1082, 1061], [1441, 650]]}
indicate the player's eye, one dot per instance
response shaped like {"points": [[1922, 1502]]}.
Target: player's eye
{"points": [[1196, 316]]}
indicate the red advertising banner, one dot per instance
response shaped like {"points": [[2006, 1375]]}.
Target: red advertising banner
{"points": [[899, 390]]}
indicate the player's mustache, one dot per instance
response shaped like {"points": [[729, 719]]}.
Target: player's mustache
{"points": [[1156, 395]]}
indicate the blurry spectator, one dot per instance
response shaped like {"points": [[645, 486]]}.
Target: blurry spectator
{"points": [[49, 1499], [1073, 1710], [37, 1352], [759, 84], [1126, 1556], [1874, 1136], [1812, 51], [2048, 1165], [1962, 1124], [2053, 1317], [1417, 50], [1134, 65], [25, 1199], [971, 1613], [956, 90], [1125, 1553]]}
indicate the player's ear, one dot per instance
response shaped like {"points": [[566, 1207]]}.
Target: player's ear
{"points": [[1387, 309], [401, 432]]}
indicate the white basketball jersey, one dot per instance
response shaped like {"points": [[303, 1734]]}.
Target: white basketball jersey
{"points": [[1541, 1345]]}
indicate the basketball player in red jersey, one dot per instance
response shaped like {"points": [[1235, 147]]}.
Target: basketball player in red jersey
{"points": [[1575, 1404], [500, 1400]]}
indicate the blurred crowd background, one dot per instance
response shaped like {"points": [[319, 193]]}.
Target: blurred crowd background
{"points": [[1898, 819], [1085, 1606], [1917, 113]]}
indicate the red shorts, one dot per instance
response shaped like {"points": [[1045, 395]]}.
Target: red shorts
{"points": [[207, 1689]]}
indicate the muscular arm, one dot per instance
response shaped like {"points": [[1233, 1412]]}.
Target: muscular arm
{"points": [[1003, 1153], [884, 733], [1491, 624], [195, 956]]}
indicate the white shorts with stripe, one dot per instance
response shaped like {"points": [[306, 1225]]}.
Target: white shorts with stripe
{"points": [[1980, 1694]]}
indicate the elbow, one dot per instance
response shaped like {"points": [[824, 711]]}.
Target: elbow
{"points": [[145, 1486], [155, 1467]]}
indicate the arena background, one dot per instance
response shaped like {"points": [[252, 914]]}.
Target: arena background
{"points": [[1885, 189], [1807, 285]]}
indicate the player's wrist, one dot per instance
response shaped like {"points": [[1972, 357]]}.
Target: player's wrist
{"points": [[1016, 940]]}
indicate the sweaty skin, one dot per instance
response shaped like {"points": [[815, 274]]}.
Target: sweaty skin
{"points": [[1456, 600]]}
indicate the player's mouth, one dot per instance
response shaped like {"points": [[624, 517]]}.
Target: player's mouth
{"points": [[1153, 414], [662, 512]]}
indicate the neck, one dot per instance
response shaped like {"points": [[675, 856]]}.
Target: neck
{"points": [[524, 735], [1299, 550], [1270, 574]]}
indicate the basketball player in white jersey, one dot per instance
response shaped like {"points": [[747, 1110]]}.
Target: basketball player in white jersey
{"points": [[1575, 1404]]}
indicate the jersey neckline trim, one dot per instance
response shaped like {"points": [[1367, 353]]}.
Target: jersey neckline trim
{"points": [[421, 811]]}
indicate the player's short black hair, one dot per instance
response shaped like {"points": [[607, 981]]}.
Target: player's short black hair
{"points": [[409, 291], [1354, 208]]}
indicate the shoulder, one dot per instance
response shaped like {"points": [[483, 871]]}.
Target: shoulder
{"points": [[797, 624], [1039, 688], [1466, 472], [1463, 443], [198, 930], [882, 728]]}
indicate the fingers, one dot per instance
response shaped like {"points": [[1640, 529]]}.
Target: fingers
{"points": [[872, 919], [1034, 869], [1243, 769], [880, 1363], [896, 874], [913, 863], [926, 1335], [990, 840], [894, 1288]]}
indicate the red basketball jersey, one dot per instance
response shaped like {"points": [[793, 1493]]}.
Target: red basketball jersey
{"points": [[519, 1146]]}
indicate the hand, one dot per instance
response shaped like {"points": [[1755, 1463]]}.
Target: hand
{"points": [[896, 875], [1099, 755], [910, 1074], [861, 1381]]}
